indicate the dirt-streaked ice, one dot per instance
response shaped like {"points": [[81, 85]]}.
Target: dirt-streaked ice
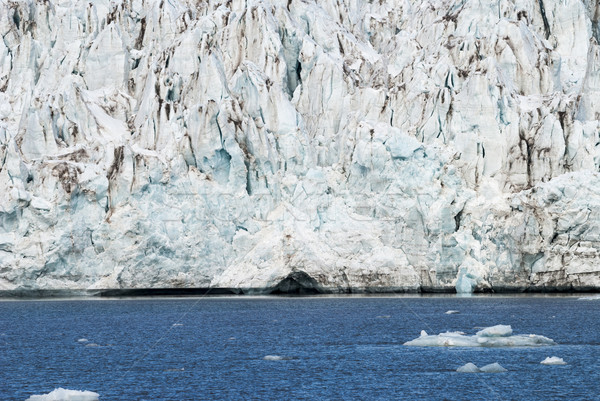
{"points": [[271, 145]]}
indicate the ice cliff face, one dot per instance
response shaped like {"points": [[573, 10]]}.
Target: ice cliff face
{"points": [[340, 145]]}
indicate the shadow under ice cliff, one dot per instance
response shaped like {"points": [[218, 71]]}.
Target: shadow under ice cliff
{"points": [[300, 146]]}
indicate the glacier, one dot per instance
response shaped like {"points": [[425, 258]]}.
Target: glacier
{"points": [[289, 146]]}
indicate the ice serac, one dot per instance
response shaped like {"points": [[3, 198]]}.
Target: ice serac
{"points": [[301, 146]]}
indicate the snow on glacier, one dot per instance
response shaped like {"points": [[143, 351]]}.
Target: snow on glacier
{"points": [[495, 336], [372, 146]]}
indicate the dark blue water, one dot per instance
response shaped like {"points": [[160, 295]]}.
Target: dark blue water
{"points": [[340, 348]]}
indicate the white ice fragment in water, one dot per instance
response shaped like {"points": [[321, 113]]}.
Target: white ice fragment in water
{"points": [[92, 345], [495, 336], [500, 330], [452, 312], [177, 324], [273, 358], [468, 368], [493, 368], [553, 360], [472, 368], [277, 358], [61, 394], [82, 340]]}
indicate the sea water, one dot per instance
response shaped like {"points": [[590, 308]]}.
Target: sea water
{"points": [[272, 348]]}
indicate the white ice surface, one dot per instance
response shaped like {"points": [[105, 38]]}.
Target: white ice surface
{"points": [[502, 338], [553, 360], [468, 368], [472, 368], [61, 394], [493, 368], [275, 358], [380, 145]]}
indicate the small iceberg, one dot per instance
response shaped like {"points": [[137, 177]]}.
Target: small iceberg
{"points": [[500, 330], [472, 368], [553, 360], [494, 336], [61, 394], [468, 368], [493, 368], [277, 358], [82, 340], [452, 312]]}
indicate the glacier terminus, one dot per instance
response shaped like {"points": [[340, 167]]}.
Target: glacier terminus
{"points": [[299, 145]]}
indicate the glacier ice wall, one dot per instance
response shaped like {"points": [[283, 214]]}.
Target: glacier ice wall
{"points": [[341, 145]]}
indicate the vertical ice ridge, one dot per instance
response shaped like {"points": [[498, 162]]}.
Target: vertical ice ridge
{"points": [[385, 145]]}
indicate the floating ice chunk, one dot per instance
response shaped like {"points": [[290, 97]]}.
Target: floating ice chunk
{"points": [[553, 360], [277, 358], [61, 394], [452, 312], [177, 324], [468, 368], [92, 345], [495, 336], [82, 340], [273, 358], [500, 330], [472, 368], [493, 368]]}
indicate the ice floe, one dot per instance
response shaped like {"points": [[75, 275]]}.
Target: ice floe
{"points": [[452, 312], [61, 394], [553, 360], [468, 368], [472, 368], [494, 336], [493, 368], [277, 358]]}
